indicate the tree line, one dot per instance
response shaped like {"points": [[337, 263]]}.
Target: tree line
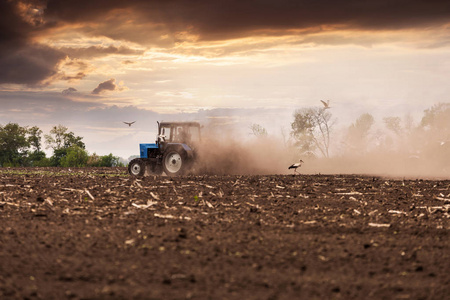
{"points": [[312, 133], [22, 146]]}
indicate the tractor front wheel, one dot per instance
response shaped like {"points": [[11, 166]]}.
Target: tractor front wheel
{"points": [[136, 167], [174, 162]]}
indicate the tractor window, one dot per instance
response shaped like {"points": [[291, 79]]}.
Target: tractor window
{"points": [[182, 134], [166, 131]]}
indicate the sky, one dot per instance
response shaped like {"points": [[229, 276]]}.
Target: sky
{"points": [[90, 65]]}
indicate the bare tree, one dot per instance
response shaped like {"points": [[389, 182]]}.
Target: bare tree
{"points": [[311, 129]]}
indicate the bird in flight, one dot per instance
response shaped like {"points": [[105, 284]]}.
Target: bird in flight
{"points": [[326, 104], [295, 166], [130, 123]]}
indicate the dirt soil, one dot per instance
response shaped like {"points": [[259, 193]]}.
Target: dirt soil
{"points": [[100, 234]]}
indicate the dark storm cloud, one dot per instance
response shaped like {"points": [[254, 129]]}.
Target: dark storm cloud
{"points": [[24, 61], [108, 85], [235, 18], [28, 64], [21, 60]]}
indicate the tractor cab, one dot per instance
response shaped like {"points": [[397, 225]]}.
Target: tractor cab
{"points": [[179, 132]]}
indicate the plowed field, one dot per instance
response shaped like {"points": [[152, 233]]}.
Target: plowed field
{"points": [[98, 233]]}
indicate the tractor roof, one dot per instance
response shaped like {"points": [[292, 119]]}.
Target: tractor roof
{"points": [[180, 124]]}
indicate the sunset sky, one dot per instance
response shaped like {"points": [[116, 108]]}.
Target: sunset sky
{"points": [[89, 65]]}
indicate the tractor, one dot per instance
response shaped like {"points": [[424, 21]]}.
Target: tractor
{"points": [[173, 152]]}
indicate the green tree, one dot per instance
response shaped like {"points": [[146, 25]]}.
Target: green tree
{"points": [[104, 161], [109, 161], [13, 145], [93, 160], [35, 138], [37, 157], [60, 140], [58, 154], [41, 161], [311, 129], [75, 157]]}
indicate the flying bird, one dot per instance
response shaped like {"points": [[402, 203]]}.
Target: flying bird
{"points": [[295, 166], [326, 104], [129, 123]]}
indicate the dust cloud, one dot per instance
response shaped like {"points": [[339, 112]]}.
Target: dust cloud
{"points": [[264, 155], [226, 152], [406, 150]]}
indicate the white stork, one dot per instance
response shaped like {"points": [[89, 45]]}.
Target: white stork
{"points": [[295, 166], [326, 104], [130, 123]]}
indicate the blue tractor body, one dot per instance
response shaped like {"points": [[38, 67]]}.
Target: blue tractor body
{"points": [[146, 149]]}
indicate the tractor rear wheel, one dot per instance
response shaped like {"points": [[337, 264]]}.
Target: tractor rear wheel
{"points": [[174, 162], [136, 167]]}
